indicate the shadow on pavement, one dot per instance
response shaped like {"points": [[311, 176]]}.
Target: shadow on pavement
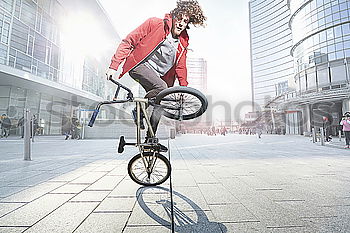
{"points": [[189, 220]]}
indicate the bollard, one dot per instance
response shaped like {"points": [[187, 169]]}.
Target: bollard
{"points": [[32, 132], [27, 143], [313, 135], [339, 135], [322, 136]]}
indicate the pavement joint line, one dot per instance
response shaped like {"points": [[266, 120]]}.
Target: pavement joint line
{"points": [[318, 217], [14, 226], [111, 211], [147, 225], [268, 189], [289, 200], [120, 196], [14, 202], [241, 221], [84, 201], [208, 183], [210, 204], [282, 227]]}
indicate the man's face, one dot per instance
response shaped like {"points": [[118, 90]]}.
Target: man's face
{"points": [[179, 24]]}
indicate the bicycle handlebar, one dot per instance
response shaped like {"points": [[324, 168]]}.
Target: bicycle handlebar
{"points": [[93, 118], [130, 94], [129, 97]]}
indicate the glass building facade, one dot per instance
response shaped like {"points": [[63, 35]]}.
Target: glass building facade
{"points": [[53, 57], [321, 52], [271, 41], [321, 43], [197, 73]]}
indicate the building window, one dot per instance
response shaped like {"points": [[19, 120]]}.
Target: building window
{"points": [[28, 13], [322, 76], [281, 87], [7, 5], [338, 72]]}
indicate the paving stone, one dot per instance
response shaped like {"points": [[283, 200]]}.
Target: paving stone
{"points": [[116, 204], [182, 178], [232, 213], [32, 193], [106, 183], [216, 194], [68, 177], [126, 187], [106, 167], [89, 178], [70, 188], [8, 207], [243, 227], [32, 212], [148, 229], [34, 180], [6, 191], [151, 214], [103, 222], [90, 196], [65, 219], [12, 229], [189, 198]]}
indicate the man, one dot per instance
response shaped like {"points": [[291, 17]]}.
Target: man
{"points": [[5, 126], [155, 52]]}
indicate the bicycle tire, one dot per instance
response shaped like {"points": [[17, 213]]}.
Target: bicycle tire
{"points": [[168, 97], [152, 180]]}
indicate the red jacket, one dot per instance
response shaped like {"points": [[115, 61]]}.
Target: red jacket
{"points": [[143, 40]]}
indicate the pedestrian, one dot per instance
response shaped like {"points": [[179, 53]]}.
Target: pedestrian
{"points": [[345, 122], [326, 127], [259, 129], [155, 53], [5, 126]]}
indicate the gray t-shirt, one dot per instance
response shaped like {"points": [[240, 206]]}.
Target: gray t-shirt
{"points": [[163, 57]]}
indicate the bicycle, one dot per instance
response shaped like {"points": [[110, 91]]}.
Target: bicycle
{"points": [[149, 167]]}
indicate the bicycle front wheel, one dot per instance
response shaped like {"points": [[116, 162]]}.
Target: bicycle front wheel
{"points": [[150, 170], [182, 103]]}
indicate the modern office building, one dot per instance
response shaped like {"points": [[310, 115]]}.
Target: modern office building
{"points": [[53, 58], [321, 52], [197, 73], [317, 38], [271, 41]]}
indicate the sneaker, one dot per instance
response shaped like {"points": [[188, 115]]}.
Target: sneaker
{"points": [[134, 116], [346, 147]]}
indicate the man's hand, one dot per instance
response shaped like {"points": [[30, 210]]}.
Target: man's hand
{"points": [[110, 73]]}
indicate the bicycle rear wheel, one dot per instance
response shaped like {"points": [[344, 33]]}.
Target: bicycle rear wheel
{"points": [[182, 103], [157, 175]]}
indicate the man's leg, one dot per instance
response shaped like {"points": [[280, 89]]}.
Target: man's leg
{"points": [[153, 84], [149, 80]]}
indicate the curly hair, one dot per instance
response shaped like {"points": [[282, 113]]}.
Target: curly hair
{"points": [[190, 8]]}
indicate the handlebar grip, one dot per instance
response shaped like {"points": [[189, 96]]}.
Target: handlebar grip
{"points": [[93, 118]]}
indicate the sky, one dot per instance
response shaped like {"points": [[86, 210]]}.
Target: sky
{"points": [[224, 43]]}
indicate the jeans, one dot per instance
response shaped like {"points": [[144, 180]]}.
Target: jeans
{"points": [[347, 137], [153, 84]]}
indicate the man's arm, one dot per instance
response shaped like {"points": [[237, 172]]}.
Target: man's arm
{"points": [[129, 43]]}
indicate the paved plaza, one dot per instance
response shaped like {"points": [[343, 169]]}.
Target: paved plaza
{"points": [[233, 183]]}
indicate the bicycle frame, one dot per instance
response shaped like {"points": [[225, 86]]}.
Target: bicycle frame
{"points": [[140, 106]]}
